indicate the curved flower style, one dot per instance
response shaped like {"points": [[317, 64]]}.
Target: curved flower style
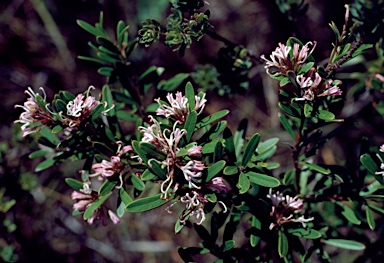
{"points": [[34, 112], [179, 107], [194, 206], [382, 161], [284, 209], [281, 60]]}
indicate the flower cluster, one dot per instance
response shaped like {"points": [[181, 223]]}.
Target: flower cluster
{"points": [[80, 108], [179, 107], [285, 208], [114, 166], [314, 86], [184, 169], [282, 60], [85, 198], [311, 84], [36, 113]]}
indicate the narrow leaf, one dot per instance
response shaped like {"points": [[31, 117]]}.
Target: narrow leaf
{"points": [[145, 204], [262, 179], [344, 243], [190, 124], [215, 169], [282, 246], [287, 126], [77, 185], [212, 118], [315, 167], [305, 233], [250, 149]]}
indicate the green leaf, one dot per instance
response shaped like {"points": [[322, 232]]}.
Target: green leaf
{"points": [[368, 163], [124, 196], [145, 204], [57, 129], [284, 81], [308, 110], [172, 83], [305, 233], [349, 214], [190, 95], [344, 243], [231, 170], [96, 112], [239, 136], [305, 68], [91, 59], [147, 175], [95, 205], [215, 169], [152, 151], [315, 167], [105, 71], [267, 145], [77, 185], [90, 29], [106, 57], [212, 118], [325, 115], [39, 153], [243, 183], [370, 218], [107, 187], [287, 125], [211, 197], [47, 133], [254, 239], [189, 125], [229, 244], [137, 183], [377, 209], [250, 149], [126, 116], [262, 179], [289, 177], [178, 226], [229, 144], [48, 163], [289, 110], [282, 246]]}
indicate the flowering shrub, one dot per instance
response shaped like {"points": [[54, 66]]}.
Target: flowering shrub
{"points": [[191, 158]]}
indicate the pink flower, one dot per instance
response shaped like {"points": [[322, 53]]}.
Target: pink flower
{"points": [[218, 184], [285, 208], [281, 60], [80, 108], [195, 151], [34, 113], [179, 107], [192, 171], [299, 57], [106, 168]]}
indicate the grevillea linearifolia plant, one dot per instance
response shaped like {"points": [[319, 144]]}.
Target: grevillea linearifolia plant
{"points": [[190, 158]]}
